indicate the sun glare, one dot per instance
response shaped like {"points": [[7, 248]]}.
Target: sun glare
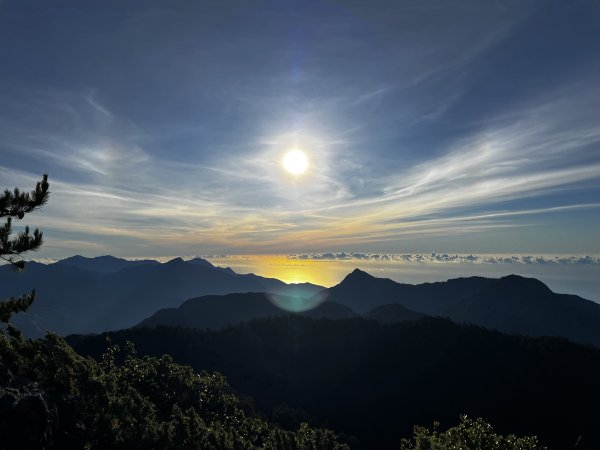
{"points": [[295, 162]]}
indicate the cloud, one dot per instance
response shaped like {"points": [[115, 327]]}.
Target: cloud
{"points": [[394, 258], [248, 203], [405, 133], [435, 257]]}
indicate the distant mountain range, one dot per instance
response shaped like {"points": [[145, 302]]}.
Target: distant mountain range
{"points": [[90, 295], [87, 295], [103, 264], [218, 311], [512, 304]]}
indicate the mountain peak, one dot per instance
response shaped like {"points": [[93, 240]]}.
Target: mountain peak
{"points": [[175, 261], [102, 264], [87, 258], [75, 258], [524, 285], [357, 275], [201, 262]]}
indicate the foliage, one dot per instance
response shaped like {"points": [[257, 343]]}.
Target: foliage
{"points": [[15, 204], [468, 435], [375, 381], [129, 402], [15, 304]]}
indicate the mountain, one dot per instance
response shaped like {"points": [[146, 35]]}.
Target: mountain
{"points": [[215, 311], [512, 304], [376, 381], [392, 313], [362, 292], [88, 295], [520, 305], [329, 310], [103, 264], [218, 311]]}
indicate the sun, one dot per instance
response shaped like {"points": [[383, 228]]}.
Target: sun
{"points": [[295, 162]]}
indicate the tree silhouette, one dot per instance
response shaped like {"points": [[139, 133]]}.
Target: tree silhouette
{"points": [[469, 434], [14, 205]]}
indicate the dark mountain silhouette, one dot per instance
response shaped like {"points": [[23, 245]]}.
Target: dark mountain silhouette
{"points": [[520, 305], [512, 304], [218, 311], [215, 311], [392, 313], [375, 381], [329, 310], [362, 292], [96, 294], [71, 299], [200, 262], [103, 264]]}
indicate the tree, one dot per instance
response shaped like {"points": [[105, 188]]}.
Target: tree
{"points": [[468, 435], [14, 205]]}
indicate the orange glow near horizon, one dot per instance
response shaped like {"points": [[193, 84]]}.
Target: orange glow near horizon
{"points": [[283, 268]]}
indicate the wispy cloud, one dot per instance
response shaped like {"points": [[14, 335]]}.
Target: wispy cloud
{"points": [[406, 136], [248, 203]]}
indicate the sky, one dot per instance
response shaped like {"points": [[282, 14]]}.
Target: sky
{"points": [[429, 126]]}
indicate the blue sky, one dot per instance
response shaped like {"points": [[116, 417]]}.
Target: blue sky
{"points": [[467, 126]]}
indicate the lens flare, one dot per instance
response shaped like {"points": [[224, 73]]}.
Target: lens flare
{"points": [[297, 302]]}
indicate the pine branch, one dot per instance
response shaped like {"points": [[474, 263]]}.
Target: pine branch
{"points": [[23, 242], [17, 203], [17, 264], [15, 305]]}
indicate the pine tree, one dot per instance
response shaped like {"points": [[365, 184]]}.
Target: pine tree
{"points": [[14, 205]]}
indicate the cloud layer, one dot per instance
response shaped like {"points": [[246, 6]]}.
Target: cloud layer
{"points": [[446, 258], [426, 127]]}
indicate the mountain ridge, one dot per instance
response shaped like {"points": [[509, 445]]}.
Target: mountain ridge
{"points": [[219, 311], [86, 295], [82, 295], [104, 263], [512, 304]]}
